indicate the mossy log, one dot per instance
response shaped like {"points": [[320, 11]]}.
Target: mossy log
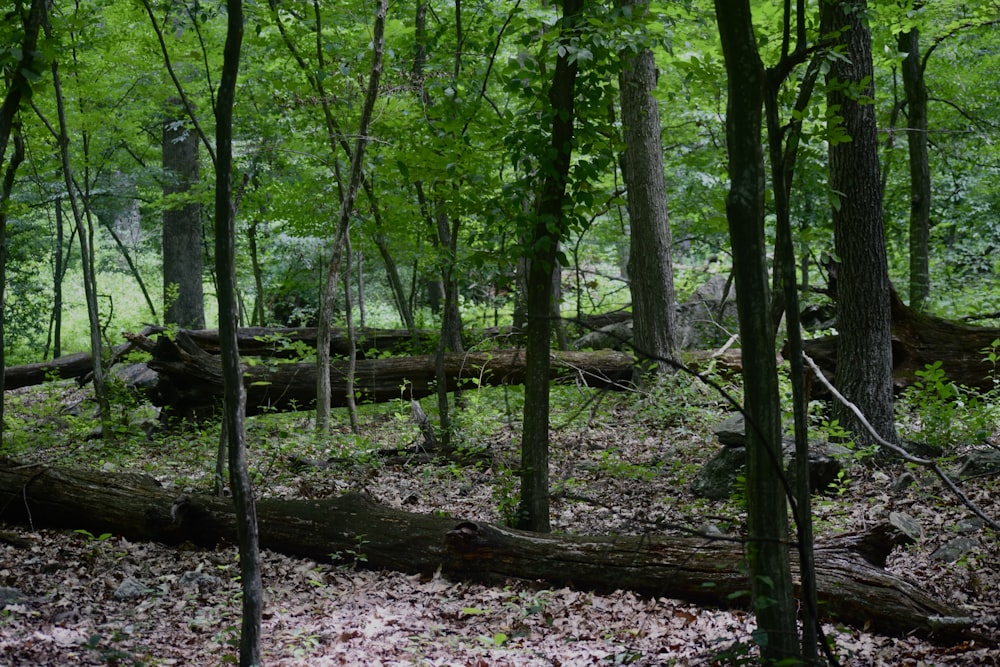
{"points": [[710, 571]]}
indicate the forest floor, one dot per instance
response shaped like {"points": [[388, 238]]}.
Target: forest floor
{"points": [[620, 464]]}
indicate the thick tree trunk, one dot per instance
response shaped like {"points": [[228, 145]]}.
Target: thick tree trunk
{"points": [[650, 266], [853, 587], [191, 379], [183, 297], [863, 306]]}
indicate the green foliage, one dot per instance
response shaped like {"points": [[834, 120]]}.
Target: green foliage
{"points": [[946, 415]]}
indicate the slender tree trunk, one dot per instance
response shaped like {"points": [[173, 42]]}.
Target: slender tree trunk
{"points": [[346, 207], [545, 236], [767, 550], [864, 370], [920, 172], [86, 258], [183, 297], [651, 268], [258, 317], [9, 174], [352, 355], [234, 399]]}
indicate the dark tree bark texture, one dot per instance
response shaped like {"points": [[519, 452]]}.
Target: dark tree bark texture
{"points": [[650, 270], [767, 510], [544, 241], [864, 375], [920, 171], [853, 586], [234, 393], [183, 296]]}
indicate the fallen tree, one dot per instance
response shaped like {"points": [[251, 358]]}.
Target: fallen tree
{"points": [[190, 379], [69, 366], [919, 340], [853, 586]]}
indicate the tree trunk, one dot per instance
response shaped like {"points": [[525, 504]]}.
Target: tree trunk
{"points": [[864, 375], [190, 379], [86, 258], [343, 220], [650, 269], [544, 239], [234, 394], [183, 297], [767, 510], [17, 86], [853, 586], [920, 171]]}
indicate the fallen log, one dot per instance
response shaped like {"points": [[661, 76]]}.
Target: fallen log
{"points": [[190, 383], [290, 343], [69, 366], [705, 571], [919, 340]]}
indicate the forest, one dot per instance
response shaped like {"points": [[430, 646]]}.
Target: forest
{"points": [[499, 333]]}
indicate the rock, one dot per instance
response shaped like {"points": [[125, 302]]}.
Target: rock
{"points": [[732, 432], [611, 337], [716, 479], [708, 318], [973, 525], [955, 549], [907, 525], [11, 596], [904, 481], [199, 580], [980, 462], [130, 589], [826, 461]]}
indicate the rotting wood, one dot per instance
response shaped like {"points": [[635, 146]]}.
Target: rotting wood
{"points": [[919, 340], [710, 571], [191, 379]]}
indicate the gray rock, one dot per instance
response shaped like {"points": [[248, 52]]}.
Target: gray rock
{"points": [[11, 596], [904, 481], [907, 525], [973, 525], [708, 318], [954, 549], [716, 479], [611, 337], [130, 589], [732, 432], [980, 462], [195, 579]]}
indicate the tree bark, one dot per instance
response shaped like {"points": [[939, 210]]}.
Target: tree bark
{"points": [[650, 270], [863, 302], [853, 586], [544, 239], [183, 296], [234, 393], [920, 171], [767, 510]]}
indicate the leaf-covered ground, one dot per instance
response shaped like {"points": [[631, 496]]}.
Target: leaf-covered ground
{"points": [[620, 464]]}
